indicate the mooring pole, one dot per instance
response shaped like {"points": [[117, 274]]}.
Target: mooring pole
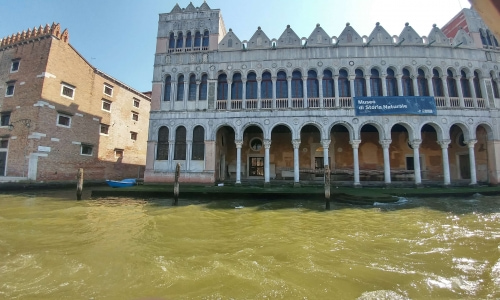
{"points": [[327, 186], [176, 183], [79, 184]]}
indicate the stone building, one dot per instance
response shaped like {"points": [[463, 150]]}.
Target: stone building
{"points": [[59, 113], [376, 107]]}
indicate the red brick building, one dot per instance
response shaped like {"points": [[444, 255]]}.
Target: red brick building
{"points": [[59, 113]]}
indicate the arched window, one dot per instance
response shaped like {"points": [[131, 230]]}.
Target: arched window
{"points": [[344, 87], [222, 87], [251, 86], [360, 83], [452, 84], [237, 87], [203, 87], [171, 41], [495, 87], [197, 39], [407, 83], [198, 152], [189, 40], [180, 143], [477, 87], [483, 37], [328, 88], [423, 86], [162, 147], [205, 38], [230, 43], [437, 83], [375, 83], [266, 86], [391, 83], [297, 88], [312, 84], [488, 37], [281, 85], [192, 87], [464, 82], [180, 41], [180, 88], [167, 89]]}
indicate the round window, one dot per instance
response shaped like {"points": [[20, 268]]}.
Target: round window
{"points": [[256, 144]]}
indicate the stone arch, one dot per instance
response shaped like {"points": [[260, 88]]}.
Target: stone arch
{"points": [[252, 71], [192, 127], [479, 72], [347, 125], [239, 134], [467, 71], [154, 131], [378, 68], [362, 68], [488, 127], [313, 123], [407, 126], [427, 70], [331, 69], [441, 134], [377, 125], [300, 69], [468, 135], [213, 133], [410, 68], [393, 68], [221, 72], [281, 123], [267, 70], [453, 71], [439, 70]]}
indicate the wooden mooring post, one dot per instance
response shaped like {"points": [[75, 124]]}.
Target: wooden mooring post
{"points": [[327, 187], [176, 183], [79, 184]]}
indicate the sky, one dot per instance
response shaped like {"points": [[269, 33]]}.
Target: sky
{"points": [[118, 37]]}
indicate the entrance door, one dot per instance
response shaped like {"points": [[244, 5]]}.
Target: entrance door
{"points": [[464, 166], [256, 166], [3, 163]]}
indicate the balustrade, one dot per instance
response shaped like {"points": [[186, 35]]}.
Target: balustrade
{"points": [[297, 102], [266, 103], [313, 102], [282, 103], [469, 102], [236, 104], [251, 104], [440, 101], [329, 102], [454, 102], [345, 102]]}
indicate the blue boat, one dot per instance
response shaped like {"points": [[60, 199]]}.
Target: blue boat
{"points": [[123, 183]]}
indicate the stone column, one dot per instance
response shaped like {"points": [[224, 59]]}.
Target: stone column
{"points": [[430, 85], [198, 82], [459, 89], [472, 90], [444, 80], [267, 145], [399, 79], [274, 78], [296, 170], [173, 94], [171, 146], [326, 154], [355, 147], [229, 87], [351, 85], [320, 90], [289, 86], [416, 161], [186, 92], [472, 159], [304, 90], [446, 164], [259, 81], [387, 161], [416, 92], [484, 90], [336, 87], [189, 150], [368, 86], [244, 93], [384, 84], [239, 144]]}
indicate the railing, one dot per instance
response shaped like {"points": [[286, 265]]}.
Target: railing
{"points": [[469, 102], [221, 104], [329, 102], [187, 49], [345, 102], [236, 104], [282, 103], [313, 102], [454, 102], [440, 101], [251, 103], [481, 103], [297, 102], [266, 103]]}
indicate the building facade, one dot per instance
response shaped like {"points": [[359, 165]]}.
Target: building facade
{"points": [[59, 113], [284, 108]]}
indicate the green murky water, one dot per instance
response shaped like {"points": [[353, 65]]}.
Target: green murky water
{"points": [[55, 248]]}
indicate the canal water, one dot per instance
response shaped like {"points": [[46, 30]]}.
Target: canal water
{"points": [[53, 247]]}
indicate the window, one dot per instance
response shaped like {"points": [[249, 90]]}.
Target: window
{"points": [[180, 143], [266, 86], [477, 88], [423, 87], [5, 119], [391, 83], [108, 90], [9, 92], [237, 87], [375, 83], [256, 144], [198, 143], [281, 86], [171, 41], [407, 83], [106, 105], [67, 91], [197, 39], [452, 84], [133, 136], [464, 82], [168, 88], [180, 88], [104, 129], [135, 116], [118, 153], [203, 87], [312, 84], [222, 87], [189, 40], [344, 85], [205, 39], [137, 103], [192, 88], [15, 66], [437, 83], [359, 83], [179, 40], [251, 86], [4, 143], [328, 88], [63, 120], [162, 147], [297, 85], [86, 149]]}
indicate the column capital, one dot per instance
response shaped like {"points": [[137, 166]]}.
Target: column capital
{"points": [[274, 78], [444, 143], [229, 81], [415, 143], [289, 78], [355, 143], [189, 141], [239, 144], [296, 144], [267, 144], [304, 78], [244, 80], [351, 77], [367, 77], [325, 143], [259, 79], [171, 141], [385, 143], [457, 77], [399, 76], [471, 143], [336, 77], [198, 81]]}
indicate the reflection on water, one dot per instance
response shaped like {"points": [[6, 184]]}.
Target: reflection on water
{"points": [[54, 248]]}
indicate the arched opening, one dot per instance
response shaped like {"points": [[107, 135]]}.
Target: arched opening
{"points": [[253, 152], [431, 159], [359, 84], [423, 87], [452, 84], [282, 153], [477, 87], [167, 88], [297, 88], [311, 157], [494, 84], [344, 87], [203, 87], [198, 149], [371, 159], [341, 156], [392, 85], [437, 84], [180, 40], [197, 39], [481, 155], [189, 40], [180, 143], [222, 87], [180, 88], [205, 39], [266, 89], [192, 87], [407, 83], [401, 153], [171, 41], [162, 146], [281, 86], [237, 87], [251, 88], [375, 83], [464, 83], [328, 87], [312, 84], [225, 154]]}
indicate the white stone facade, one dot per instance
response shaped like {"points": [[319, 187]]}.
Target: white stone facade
{"points": [[271, 109]]}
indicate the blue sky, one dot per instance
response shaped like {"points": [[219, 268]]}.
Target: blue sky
{"points": [[119, 36]]}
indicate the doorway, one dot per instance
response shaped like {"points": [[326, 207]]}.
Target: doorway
{"points": [[3, 163], [464, 163]]}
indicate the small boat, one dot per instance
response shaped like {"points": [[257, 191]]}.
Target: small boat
{"points": [[123, 183]]}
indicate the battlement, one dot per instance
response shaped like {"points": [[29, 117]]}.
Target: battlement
{"points": [[30, 34]]}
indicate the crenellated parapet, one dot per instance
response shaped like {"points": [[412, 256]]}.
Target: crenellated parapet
{"points": [[36, 33]]}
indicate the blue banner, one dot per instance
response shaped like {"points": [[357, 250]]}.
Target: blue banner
{"points": [[405, 105]]}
